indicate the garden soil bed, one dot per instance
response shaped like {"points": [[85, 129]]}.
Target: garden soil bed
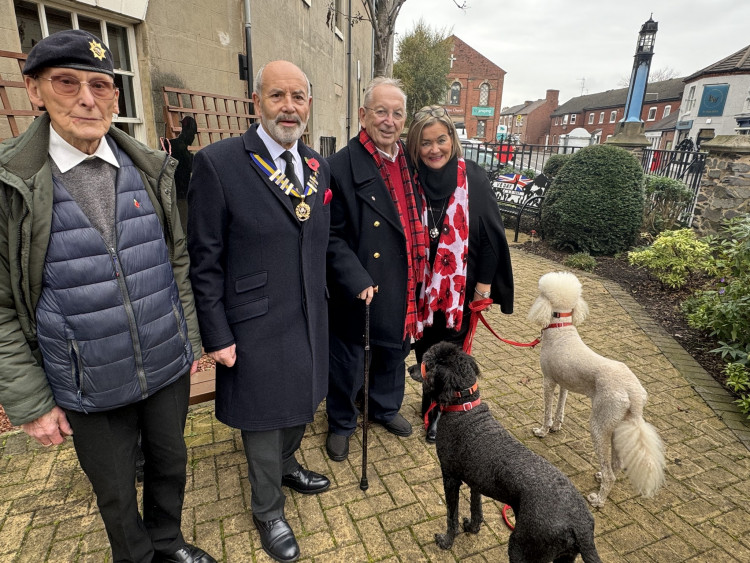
{"points": [[661, 303]]}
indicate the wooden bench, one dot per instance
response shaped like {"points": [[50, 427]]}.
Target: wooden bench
{"points": [[516, 199]]}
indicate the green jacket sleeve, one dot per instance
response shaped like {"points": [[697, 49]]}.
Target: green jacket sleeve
{"points": [[24, 391]]}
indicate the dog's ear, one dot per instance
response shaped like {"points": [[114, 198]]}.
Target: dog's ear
{"points": [[541, 311], [580, 311]]}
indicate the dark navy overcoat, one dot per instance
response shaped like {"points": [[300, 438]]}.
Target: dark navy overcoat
{"points": [[258, 275]]}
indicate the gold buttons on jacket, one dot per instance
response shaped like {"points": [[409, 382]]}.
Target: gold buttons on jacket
{"points": [[376, 223], [376, 255]]}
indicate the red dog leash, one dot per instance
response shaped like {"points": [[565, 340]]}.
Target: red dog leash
{"points": [[476, 308]]}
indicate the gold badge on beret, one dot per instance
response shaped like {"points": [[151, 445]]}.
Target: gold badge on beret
{"points": [[97, 50]]}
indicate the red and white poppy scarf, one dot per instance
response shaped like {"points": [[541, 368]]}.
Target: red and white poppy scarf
{"points": [[444, 287]]}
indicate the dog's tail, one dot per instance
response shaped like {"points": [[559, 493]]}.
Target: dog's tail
{"points": [[589, 553], [641, 454]]}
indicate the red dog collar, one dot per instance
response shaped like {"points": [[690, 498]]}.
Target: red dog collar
{"points": [[460, 408]]}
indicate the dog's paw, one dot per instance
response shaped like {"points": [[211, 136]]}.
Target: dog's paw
{"points": [[444, 541], [540, 432], [598, 476], [595, 500], [470, 527], [555, 427]]}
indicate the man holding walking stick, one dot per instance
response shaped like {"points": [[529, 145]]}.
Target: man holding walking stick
{"points": [[377, 240]]}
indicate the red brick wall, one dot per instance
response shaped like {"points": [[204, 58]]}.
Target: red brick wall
{"points": [[537, 122], [471, 69]]}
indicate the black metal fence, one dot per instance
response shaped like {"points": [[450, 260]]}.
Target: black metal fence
{"points": [[686, 166], [495, 156]]}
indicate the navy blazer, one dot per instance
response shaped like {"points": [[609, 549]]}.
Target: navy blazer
{"points": [[258, 275]]}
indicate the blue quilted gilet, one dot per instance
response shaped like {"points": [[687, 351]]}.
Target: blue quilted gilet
{"points": [[109, 321]]}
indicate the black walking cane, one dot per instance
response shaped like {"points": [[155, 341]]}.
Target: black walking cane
{"points": [[363, 484]]}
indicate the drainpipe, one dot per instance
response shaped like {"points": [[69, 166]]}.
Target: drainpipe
{"points": [[249, 51]]}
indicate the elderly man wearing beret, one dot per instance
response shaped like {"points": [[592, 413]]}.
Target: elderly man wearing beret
{"points": [[98, 333]]}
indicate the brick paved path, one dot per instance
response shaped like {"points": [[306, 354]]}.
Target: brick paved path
{"points": [[48, 513]]}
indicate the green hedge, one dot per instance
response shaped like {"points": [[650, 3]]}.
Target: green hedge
{"points": [[595, 203]]}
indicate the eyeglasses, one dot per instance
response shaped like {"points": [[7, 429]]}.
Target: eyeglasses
{"points": [[381, 113], [434, 111], [70, 86]]}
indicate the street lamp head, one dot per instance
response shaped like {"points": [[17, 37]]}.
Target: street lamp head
{"points": [[647, 36]]}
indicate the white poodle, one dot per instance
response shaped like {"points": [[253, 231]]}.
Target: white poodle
{"points": [[620, 435]]}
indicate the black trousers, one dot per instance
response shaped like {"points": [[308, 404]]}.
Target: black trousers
{"points": [[432, 335], [270, 456], [346, 377], [106, 445]]}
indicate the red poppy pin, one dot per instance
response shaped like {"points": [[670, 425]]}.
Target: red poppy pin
{"points": [[136, 203], [327, 196], [312, 163]]}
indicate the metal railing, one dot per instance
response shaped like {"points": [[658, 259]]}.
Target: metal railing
{"points": [[686, 166], [495, 156]]}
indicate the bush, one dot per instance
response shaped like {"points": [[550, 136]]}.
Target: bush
{"points": [[724, 309], [666, 199], [595, 202], [529, 173], [738, 380], [673, 257], [554, 164], [581, 261]]}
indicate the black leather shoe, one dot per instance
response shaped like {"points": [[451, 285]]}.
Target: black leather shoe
{"points": [[306, 482], [431, 435], [188, 554], [337, 446], [277, 539], [398, 425]]}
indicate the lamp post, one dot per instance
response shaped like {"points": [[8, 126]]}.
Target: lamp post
{"points": [[641, 65], [629, 132]]}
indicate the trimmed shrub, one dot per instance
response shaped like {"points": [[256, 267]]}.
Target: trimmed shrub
{"points": [[581, 261], [666, 199], [673, 257], [595, 203], [554, 164]]}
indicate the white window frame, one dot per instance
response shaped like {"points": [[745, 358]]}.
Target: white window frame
{"points": [[104, 18], [651, 113], [666, 112], [484, 88], [592, 115], [690, 100], [557, 120], [572, 118], [601, 117], [338, 18], [613, 116], [565, 119]]}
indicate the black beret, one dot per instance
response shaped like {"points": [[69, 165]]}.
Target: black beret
{"points": [[72, 48]]}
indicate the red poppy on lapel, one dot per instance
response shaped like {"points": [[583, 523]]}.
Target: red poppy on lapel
{"points": [[312, 163], [327, 196]]}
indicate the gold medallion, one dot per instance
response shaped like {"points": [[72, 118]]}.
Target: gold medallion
{"points": [[302, 211]]}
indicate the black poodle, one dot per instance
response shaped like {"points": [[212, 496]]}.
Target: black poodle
{"points": [[553, 522]]}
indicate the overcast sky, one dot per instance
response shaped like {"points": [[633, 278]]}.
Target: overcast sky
{"points": [[556, 44]]}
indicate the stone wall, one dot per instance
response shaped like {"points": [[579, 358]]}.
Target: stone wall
{"points": [[725, 187]]}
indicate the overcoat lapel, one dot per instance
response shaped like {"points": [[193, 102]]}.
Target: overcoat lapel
{"points": [[254, 144]]}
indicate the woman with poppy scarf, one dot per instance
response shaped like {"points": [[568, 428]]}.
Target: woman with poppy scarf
{"points": [[468, 254]]}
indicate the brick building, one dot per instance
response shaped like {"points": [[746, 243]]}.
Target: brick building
{"points": [[529, 122], [599, 113], [475, 91]]}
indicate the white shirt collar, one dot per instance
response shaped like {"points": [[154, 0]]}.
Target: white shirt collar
{"points": [[276, 150], [388, 156], [66, 156]]}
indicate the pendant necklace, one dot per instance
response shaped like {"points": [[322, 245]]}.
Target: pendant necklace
{"points": [[435, 230]]}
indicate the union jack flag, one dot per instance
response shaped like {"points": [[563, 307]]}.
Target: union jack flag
{"points": [[518, 180]]}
